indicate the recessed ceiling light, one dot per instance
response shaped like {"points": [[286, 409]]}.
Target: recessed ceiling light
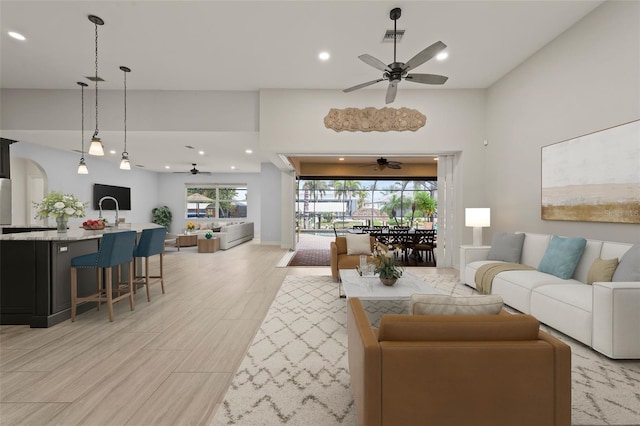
{"points": [[324, 56], [112, 151], [16, 35], [248, 151], [167, 167], [341, 159], [435, 158], [233, 167], [201, 152], [442, 56]]}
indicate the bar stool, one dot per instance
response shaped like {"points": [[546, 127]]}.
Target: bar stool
{"points": [[116, 249], [151, 244]]}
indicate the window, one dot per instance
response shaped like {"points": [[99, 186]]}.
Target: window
{"points": [[323, 204], [219, 200]]}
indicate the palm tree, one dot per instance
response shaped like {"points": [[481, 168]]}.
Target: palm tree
{"points": [[318, 188], [425, 203], [347, 190]]}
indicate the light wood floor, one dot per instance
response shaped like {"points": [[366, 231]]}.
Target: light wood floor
{"points": [[169, 362]]}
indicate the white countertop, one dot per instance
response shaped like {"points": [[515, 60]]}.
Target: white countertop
{"points": [[75, 234]]}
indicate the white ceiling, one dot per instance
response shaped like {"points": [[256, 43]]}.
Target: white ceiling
{"points": [[252, 45]]}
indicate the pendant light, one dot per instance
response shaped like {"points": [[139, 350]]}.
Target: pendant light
{"points": [[124, 163], [96, 147], [82, 167]]}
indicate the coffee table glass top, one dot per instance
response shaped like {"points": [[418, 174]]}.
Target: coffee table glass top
{"points": [[370, 287]]}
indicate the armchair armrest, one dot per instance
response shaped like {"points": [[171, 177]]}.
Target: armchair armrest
{"points": [[364, 365], [334, 261]]}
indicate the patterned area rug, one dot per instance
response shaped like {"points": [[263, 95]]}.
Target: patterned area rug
{"points": [[311, 257], [296, 373]]}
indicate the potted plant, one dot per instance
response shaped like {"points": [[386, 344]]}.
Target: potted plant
{"points": [[208, 235], [387, 266], [191, 226], [162, 216]]}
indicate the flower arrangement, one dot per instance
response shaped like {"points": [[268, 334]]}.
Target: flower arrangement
{"points": [[208, 235], [191, 226], [387, 265], [56, 204]]}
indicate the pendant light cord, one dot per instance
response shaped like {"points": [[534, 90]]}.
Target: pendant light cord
{"points": [[125, 112], [96, 131], [82, 125]]}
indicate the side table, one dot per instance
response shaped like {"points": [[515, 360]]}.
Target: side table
{"points": [[187, 240], [210, 245]]}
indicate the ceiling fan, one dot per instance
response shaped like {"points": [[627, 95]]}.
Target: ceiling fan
{"points": [[382, 163], [195, 171], [396, 71]]}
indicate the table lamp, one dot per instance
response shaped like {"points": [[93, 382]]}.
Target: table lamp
{"points": [[477, 218]]}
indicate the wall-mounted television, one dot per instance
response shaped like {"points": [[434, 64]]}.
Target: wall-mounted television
{"points": [[120, 193]]}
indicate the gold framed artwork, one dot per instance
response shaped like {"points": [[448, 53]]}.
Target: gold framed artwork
{"points": [[593, 178]]}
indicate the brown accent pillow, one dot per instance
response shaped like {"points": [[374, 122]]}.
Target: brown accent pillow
{"points": [[602, 270]]}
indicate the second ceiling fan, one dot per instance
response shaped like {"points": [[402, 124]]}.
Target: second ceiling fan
{"points": [[396, 71]]}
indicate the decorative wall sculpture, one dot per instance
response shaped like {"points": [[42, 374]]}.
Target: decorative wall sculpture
{"points": [[593, 178], [374, 119]]}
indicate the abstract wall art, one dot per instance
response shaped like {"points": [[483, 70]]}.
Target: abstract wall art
{"points": [[593, 178]]}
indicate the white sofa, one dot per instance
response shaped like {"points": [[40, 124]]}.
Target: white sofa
{"points": [[605, 315], [232, 234]]}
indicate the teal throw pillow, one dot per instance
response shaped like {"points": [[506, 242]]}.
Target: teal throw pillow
{"points": [[562, 256], [629, 267]]}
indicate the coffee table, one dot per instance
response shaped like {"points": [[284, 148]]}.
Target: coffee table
{"points": [[370, 287]]}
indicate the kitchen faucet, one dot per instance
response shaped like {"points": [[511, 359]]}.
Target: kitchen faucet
{"points": [[108, 197]]}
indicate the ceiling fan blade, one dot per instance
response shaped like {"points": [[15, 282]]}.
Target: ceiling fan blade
{"points": [[426, 78], [394, 166], [425, 55], [374, 62], [360, 86], [391, 92]]}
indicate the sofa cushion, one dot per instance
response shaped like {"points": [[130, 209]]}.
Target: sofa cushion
{"points": [[440, 304], [601, 270], [562, 256], [358, 244], [628, 269], [506, 247], [417, 328]]}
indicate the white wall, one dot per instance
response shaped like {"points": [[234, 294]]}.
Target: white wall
{"points": [[586, 80], [270, 207], [61, 167]]}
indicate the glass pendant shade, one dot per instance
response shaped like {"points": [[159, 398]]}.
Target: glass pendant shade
{"points": [[124, 163], [96, 147], [82, 168]]}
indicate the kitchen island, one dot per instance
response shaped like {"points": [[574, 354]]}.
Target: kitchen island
{"points": [[35, 273]]}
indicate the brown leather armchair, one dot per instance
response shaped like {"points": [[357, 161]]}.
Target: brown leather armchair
{"points": [[457, 370], [341, 260]]}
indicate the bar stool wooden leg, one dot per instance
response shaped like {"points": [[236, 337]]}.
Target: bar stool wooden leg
{"points": [[146, 277], [162, 272], [131, 286], [99, 286], [74, 292], [109, 288]]}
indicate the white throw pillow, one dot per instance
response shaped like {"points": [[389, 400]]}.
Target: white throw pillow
{"points": [[440, 304], [358, 244]]}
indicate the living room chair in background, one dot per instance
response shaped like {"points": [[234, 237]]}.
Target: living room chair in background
{"points": [[116, 249], [151, 243]]}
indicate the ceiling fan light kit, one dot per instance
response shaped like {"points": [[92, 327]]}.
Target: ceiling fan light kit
{"points": [[396, 71], [374, 120]]}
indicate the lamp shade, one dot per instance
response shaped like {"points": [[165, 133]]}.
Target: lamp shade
{"points": [[477, 217], [96, 147]]}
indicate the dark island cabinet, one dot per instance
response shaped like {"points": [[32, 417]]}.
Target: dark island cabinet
{"points": [[35, 280]]}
